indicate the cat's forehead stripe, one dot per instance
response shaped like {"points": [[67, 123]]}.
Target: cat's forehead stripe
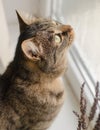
{"points": [[45, 25]]}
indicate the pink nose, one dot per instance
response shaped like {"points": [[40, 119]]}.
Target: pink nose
{"points": [[66, 28]]}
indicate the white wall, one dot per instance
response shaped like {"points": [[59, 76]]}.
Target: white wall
{"points": [[9, 24], [29, 6], [32, 7], [4, 37]]}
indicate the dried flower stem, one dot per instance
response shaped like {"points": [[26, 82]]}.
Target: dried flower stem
{"points": [[94, 107], [76, 114], [83, 124], [83, 106], [97, 125]]}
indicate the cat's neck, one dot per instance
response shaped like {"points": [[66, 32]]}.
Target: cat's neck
{"points": [[34, 74], [28, 71], [24, 73]]}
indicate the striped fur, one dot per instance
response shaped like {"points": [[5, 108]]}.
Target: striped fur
{"points": [[31, 93]]}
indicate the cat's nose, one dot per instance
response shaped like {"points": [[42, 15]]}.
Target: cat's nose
{"points": [[68, 31], [66, 28]]}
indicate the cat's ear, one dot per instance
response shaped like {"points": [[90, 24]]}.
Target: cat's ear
{"points": [[22, 24], [30, 50]]}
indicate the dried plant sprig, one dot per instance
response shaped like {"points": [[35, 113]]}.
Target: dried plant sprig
{"points": [[79, 121], [83, 107], [79, 124], [97, 125], [76, 114], [83, 124], [94, 106]]}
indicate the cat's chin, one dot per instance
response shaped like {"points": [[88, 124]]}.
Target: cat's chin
{"points": [[55, 70]]}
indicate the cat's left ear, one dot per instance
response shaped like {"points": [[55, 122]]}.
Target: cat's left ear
{"points": [[30, 50], [22, 24]]}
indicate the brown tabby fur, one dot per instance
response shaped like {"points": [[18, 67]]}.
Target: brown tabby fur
{"points": [[31, 93]]}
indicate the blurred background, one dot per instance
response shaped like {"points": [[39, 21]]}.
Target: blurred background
{"points": [[84, 56]]}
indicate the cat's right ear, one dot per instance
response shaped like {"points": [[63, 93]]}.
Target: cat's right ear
{"points": [[22, 24], [30, 50]]}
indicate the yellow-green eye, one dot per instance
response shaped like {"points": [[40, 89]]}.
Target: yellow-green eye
{"points": [[57, 39]]}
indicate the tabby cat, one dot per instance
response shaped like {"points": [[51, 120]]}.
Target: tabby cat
{"points": [[31, 93]]}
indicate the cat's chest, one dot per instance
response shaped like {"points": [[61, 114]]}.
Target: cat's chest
{"points": [[43, 105], [44, 96], [37, 106]]}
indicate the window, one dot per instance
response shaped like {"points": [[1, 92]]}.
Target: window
{"points": [[84, 17], [84, 63]]}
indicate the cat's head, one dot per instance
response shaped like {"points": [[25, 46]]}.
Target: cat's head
{"points": [[44, 42]]}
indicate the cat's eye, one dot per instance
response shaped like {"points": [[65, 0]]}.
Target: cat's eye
{"points": [[57, 38]]}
